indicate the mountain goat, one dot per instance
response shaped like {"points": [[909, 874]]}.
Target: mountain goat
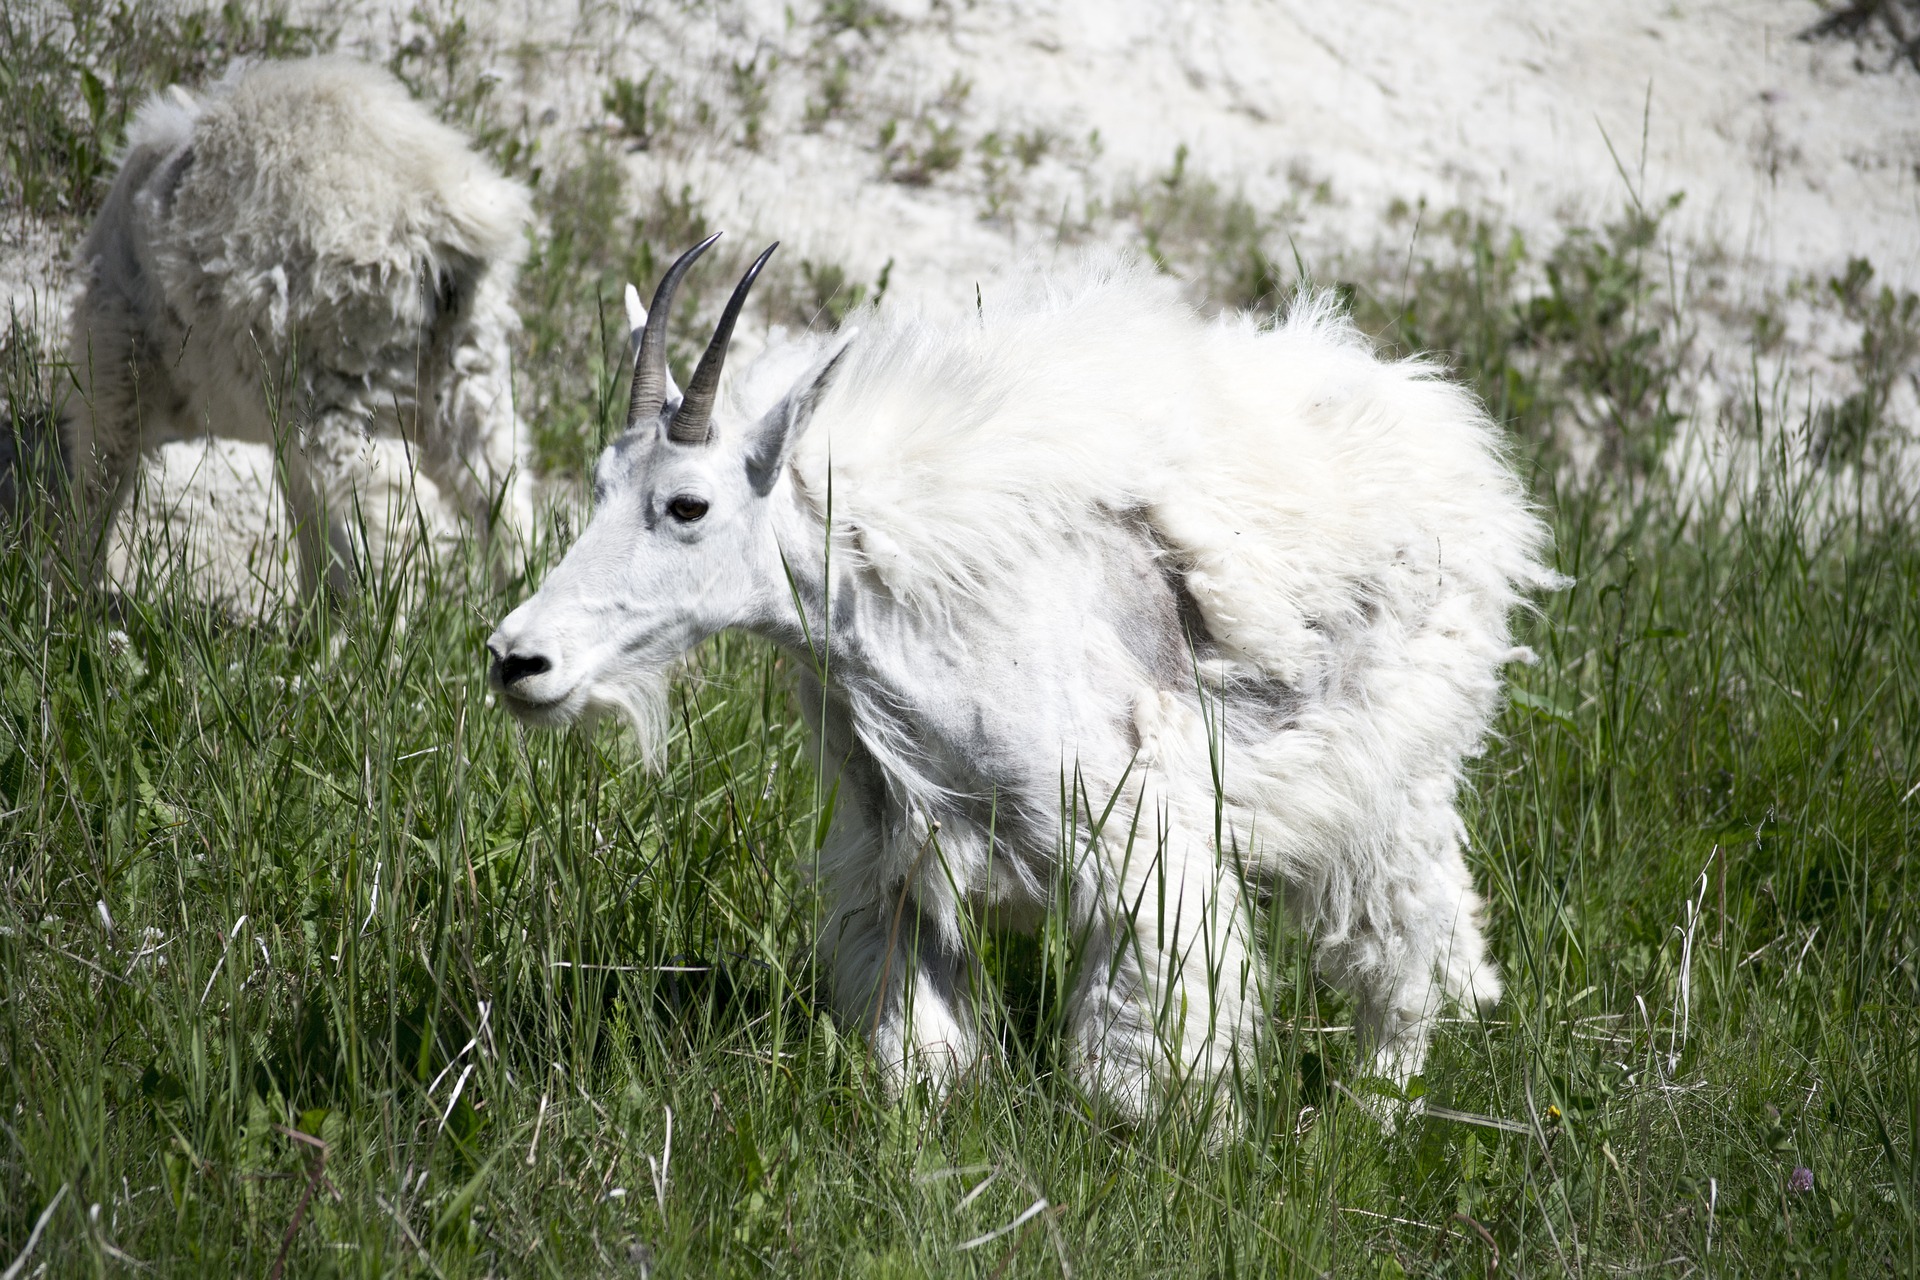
{"points": [[302, 256], [1107, 611]]}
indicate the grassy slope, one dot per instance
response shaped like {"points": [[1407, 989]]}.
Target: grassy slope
{"points": [[265, 881], [413, 875]]}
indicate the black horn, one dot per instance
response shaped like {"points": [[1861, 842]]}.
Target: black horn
{"points": [[693, 420], [650, 361]]}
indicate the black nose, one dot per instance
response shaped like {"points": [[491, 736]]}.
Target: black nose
{"points": [[516, 667]]}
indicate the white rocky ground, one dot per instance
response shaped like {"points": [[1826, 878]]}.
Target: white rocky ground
{"points": [[1793, 157]]}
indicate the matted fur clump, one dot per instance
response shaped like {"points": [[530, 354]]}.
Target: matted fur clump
{"points": [[1113, 611], [303, 256]]}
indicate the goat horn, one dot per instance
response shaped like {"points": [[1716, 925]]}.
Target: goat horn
{"points": [[650, 378], [692, 421]]}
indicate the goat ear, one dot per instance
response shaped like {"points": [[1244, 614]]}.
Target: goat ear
{"points": [[636, 320], [787, 421]]}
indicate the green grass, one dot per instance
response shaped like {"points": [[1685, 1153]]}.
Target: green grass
{"points": [[307, 950], [266, 879]]}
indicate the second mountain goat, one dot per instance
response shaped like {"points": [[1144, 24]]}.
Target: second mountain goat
{"points": [[303, 256]]}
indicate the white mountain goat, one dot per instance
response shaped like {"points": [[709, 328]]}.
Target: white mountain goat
{"points": [[303, 256], [1121, 614]]}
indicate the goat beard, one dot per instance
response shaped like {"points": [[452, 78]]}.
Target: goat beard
{"points": [[644, 700]]}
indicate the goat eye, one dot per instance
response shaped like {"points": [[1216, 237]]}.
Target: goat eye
{"points": [[686, 508]]}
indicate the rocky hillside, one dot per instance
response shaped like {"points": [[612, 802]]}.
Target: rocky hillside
{"points": [[1737, 184]]}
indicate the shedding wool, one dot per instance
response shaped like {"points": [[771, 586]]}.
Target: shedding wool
{"points": [[303, 256]]}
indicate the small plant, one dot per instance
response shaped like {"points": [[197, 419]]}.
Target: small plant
{"points": [[826, 295], [1604, 312], [446, 62], [1864, 21], [749, 81], [954, 94], [1004, 159], [1193, 229], [1583, 363], [996, 191], [1303, 181], [1454, 300], [639, 107], [836, 93], [927, 143], [1769, 331], [441, 62], [1030, 146], [922, 151], [1889, 351], [862, 17]]}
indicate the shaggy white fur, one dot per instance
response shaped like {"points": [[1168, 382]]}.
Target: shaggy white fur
{"points": [[1348, 530], [1120, 613], [303, 256]]}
